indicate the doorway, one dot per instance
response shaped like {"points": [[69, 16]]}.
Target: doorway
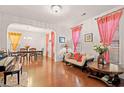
{"points": [[50, 44]]}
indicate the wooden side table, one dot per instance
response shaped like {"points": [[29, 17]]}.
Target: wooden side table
{"points": [[108, 74]]}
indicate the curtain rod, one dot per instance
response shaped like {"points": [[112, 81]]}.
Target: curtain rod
{"points": [[76, 26], [110, 13]]}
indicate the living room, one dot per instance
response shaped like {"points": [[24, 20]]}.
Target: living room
{"points": [[66, 43]]}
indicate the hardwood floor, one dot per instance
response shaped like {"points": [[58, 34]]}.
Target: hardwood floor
{"points": [[47, 73]]}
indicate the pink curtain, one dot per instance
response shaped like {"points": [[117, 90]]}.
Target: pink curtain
{"points": [[47, 41], [52, 44], [75, 36], [107, 26]]}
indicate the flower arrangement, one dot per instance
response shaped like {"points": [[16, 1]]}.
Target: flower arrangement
{"points": [[100, 48]]}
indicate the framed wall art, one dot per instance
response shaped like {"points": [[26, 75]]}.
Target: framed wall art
{"points": [[88, 37], [61, 39]]}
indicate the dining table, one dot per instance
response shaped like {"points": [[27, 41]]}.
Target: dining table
{"points": [[17, 53]]}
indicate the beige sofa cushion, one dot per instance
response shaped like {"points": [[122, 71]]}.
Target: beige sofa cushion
{"points": [[73, 61]]}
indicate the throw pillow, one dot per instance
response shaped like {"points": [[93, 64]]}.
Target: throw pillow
{"points": [[81, 58], [76, 56]]}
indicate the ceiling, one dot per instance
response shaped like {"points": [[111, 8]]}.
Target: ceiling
{"points": [[23, 27], [70, 14]]}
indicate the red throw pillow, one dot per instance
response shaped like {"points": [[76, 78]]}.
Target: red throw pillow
{"points": [[76, 56], [81, 58]]}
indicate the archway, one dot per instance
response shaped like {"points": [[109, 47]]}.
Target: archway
{"points": [[32, 36]]}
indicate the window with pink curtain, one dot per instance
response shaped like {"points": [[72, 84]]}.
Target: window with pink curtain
{"points": [[75, 36], [107, 26]]}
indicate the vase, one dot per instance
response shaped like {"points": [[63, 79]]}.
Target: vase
{"points": [[100, 59], [27, 47]]}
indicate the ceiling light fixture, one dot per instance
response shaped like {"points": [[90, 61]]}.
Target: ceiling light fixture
{"points": [[56, 9]]}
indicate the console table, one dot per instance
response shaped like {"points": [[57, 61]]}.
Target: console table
{"points": [[108, 74]]}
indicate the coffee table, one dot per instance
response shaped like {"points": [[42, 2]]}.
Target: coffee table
{"points": [[109, 74]]}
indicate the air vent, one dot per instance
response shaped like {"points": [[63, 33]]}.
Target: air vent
{"points": [[83, 14]]}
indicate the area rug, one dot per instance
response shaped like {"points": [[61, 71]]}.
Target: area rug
{"points": [[12, 81]]}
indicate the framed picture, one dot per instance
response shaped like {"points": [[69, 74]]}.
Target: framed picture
{"points": [[61, 39], [88, 37]]}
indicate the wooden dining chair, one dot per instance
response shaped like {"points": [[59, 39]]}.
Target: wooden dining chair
{"points": [[32, 53], [23, 55]]}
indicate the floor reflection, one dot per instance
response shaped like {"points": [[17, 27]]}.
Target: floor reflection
{"points": [[47, 73]]}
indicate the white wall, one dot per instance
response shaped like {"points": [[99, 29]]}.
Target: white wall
{"points": [[90, 26], [61, 32], [43, 42]]}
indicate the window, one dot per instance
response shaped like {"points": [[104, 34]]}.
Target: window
{"points": [[114, 50]]}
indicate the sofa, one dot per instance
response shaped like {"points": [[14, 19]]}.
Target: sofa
{"points": [[80, 60]]}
